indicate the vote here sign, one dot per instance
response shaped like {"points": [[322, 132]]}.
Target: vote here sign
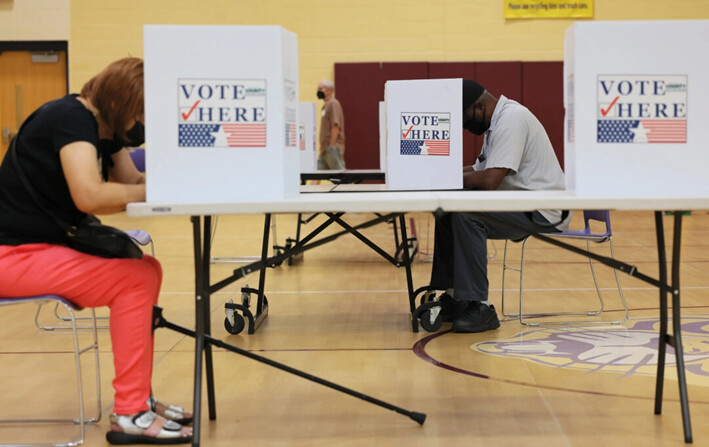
{"points": [[425, 133], [642, 108], [221, 112]]}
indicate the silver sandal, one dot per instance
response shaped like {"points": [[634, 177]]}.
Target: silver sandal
{"points": [[130, 429], [171, 413]]}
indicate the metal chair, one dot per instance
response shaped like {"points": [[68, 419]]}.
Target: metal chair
{"points": [[588, 235], [82, 419]]}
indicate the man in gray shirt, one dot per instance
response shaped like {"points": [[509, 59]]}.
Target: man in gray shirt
{"points": [[516, 155]]}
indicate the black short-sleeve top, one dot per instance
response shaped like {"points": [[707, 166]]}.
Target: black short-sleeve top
{"points": [[44, 134]]}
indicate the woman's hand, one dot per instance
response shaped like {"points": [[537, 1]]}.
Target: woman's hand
{"points": [[124, 170]]}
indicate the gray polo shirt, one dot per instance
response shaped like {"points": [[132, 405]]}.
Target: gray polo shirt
{"points": [[517, 141]]}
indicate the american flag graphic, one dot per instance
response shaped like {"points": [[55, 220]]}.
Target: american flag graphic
{"points": [[291, 136], [642, 131], [222, 135], [425, 147]]}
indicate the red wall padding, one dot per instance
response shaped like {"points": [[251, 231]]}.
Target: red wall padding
{"points": [[360, 87], [543, 94], [497, 78]]}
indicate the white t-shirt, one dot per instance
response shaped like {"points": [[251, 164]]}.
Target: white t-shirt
{"points": [[517, 141]]}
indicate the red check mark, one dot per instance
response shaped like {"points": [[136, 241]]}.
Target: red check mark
{"points": [[605, 112], [187, 115], [407, 132]]}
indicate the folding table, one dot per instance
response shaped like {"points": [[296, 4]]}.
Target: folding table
{"points": [[440, 201]]}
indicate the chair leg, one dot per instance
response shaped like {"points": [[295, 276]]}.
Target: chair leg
{"points": [[592, 313], [521, 288], [626, 315], [82, 420], [620, 289], [79, 382], [520, 272], [494, 249], [595, 312], [521, 315], [505, 267]]}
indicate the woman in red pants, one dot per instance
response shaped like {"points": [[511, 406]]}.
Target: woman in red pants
{"points": [[72, 150]]}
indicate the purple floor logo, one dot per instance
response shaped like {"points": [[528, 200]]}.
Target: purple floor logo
{"points": [[625, 350]]}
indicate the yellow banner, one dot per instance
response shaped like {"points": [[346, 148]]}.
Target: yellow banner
{"points": [[548, 9]]}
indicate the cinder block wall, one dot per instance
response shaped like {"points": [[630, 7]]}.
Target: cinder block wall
{"points": [[332, 31], [34, 20]]}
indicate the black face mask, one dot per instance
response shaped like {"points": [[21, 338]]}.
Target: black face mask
{"points": [[136, 136], [321, 95], [475, 126]]}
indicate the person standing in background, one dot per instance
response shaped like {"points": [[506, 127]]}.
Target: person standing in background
{"points": [[331, 151]]}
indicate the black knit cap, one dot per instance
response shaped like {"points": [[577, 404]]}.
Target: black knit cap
{"points": [[471, 92]]}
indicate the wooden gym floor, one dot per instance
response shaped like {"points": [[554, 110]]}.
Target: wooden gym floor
{"points": [[342, 314]]}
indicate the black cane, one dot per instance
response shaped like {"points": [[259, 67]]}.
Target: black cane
{"points": [[159, 321]]}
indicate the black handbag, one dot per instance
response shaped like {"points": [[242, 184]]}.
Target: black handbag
{"points": [[89, 235]]}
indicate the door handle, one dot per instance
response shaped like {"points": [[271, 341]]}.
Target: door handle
{"points": [[7, 136]]}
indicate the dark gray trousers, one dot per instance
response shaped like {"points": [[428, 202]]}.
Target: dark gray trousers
{"points": [[460, 249]]}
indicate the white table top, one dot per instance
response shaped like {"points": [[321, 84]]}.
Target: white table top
{"points": [[373, 198]]}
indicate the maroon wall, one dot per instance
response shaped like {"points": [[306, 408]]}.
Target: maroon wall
{"points": [[360, 87], [543, 94]]}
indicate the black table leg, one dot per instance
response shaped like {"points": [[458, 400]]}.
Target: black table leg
{"points": [[264, 266], [407, 261], [677, 328], [674, 340], [207, 315], [199, 329], [662, 339]]}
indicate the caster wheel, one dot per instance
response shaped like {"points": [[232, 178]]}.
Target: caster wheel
{"points": [[238, 325], [427, 296], [427, 324]]}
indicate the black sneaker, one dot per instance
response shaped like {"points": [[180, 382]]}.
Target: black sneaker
{"points": [[477, 317], [450, 307]]}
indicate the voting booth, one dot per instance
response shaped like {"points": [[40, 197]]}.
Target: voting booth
{"points": [[221, 106], [424, 134], [636, 96], [382, 136], [307, 136]]}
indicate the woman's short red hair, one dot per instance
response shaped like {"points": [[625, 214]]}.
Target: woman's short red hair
{"points": [[117, 93]]}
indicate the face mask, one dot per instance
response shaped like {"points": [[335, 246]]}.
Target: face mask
{"points": [[475, 126], [321, 95], [136, 136]]}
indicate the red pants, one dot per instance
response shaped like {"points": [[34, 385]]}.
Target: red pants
{"points": [[129, 287]]}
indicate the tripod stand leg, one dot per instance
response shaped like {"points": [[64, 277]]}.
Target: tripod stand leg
{"points": [[159, 321]]}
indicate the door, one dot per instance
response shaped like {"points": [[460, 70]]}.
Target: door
{"points": [[28, 79]]}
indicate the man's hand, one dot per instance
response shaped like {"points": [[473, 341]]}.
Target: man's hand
{"points": [[488, 179]]}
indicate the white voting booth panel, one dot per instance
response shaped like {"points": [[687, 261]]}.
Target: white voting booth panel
{"points": [[307, 128], [636, 96], [221, 105], [424, 134], [382, 136]]}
